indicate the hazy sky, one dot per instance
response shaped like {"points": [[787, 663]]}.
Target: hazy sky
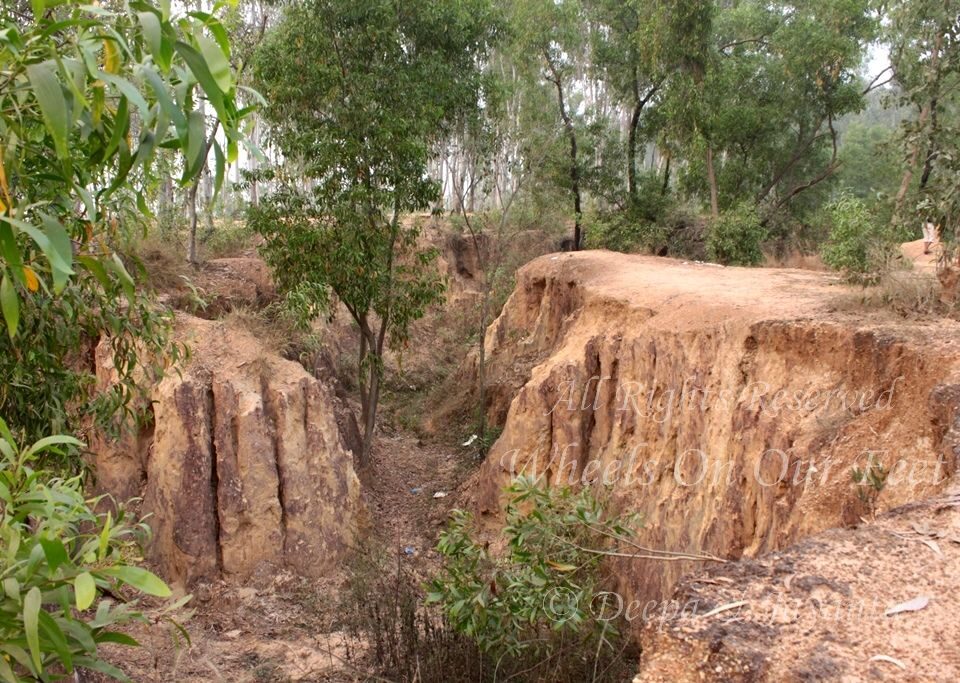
{"points": [[877, 60]]}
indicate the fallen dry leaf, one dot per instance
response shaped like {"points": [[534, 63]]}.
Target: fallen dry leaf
{"points": [[725, 608], [719, 581], [888, 660], [933, 545], [914, 605]]}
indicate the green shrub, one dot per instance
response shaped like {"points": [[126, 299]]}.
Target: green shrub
{"points": [[624, 232], [49, 384], [543, 589], [869, 482], [859, 245], [640, 226], [58, 558], [735, 237]]}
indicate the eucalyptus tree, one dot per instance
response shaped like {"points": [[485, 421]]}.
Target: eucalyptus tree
{"points": [[548, 36], [776, 79], [622, 54], [88, 94], [360, 92], [924, 39]]}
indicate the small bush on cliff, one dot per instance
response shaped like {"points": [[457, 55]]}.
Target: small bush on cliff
{"points": [[58, 559], [860, 246], [869, 482], [641, 226], [735, 238], [540, 600], [626, 232]]}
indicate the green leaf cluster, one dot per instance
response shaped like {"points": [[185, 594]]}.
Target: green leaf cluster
{"points": [[860, 245], [735, 238], [88, 96], [543, 588], [63, 570]]}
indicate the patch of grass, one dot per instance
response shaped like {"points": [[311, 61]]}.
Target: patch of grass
{"points": [[269, 671], [228, 239], [277, 330], [164, 262], [905, 292], [796, 259]]}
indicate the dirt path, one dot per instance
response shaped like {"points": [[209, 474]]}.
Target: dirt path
{"points": [[411, 488]]}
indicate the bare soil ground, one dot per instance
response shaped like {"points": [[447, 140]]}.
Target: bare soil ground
{"points": [[913, 253], [701, 293], [875, 603]]}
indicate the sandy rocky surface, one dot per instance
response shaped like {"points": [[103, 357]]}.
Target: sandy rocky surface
{"points": [[276, 626]]}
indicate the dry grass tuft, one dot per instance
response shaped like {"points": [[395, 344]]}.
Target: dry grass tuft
{"points": [[906, 292], [272, 329], [795, 259]]}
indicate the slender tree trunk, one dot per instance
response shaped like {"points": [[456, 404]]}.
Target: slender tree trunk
{"points": [[207, 202], [639, 104], [482, 360], [252, 163], [632, 150], [372, 345], [574, 157], [192, 194], [921, 124], [575, 187], [666, 176], [473, 189], [712, 180], [166, 196], [457, 186], [366, 373], [192, 220], [931, 147], [370, 417]]}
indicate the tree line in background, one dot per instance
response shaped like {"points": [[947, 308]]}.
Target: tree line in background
{"points": [[721, 130], [633, 121], [636, 124]]}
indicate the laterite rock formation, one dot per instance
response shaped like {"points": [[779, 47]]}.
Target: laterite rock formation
{"points": [[728, 407], [244, 466]]}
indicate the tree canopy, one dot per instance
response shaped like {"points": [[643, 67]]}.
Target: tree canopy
{"points": [[88, 95], [359, 94]]}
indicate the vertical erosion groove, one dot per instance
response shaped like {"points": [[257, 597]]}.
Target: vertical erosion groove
{"points": [[213, 430], [275, 410]]}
